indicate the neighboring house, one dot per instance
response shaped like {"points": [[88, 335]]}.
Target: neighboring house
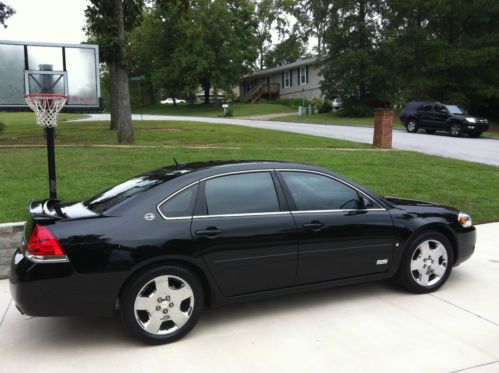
{"points": [[300, 79]]}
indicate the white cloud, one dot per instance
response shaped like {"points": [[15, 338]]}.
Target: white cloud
{"points": [[55, 21]]}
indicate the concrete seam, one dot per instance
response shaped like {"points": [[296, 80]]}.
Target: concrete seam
{"points": [[5, 313], [475, 366], [466, 310]]}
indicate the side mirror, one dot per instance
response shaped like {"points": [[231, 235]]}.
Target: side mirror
{"points": [[365, 203]]}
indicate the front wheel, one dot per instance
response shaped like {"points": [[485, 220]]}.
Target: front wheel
{"points": [[427, 263], [455, 129], [412, 126], [162, 304]]}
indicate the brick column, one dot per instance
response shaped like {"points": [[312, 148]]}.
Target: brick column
{"points": [[383, 127]]}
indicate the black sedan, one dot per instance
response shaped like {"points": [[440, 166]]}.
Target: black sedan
{"points": [[160, 247]]}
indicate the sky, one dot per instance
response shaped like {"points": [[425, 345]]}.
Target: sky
{"points": [[54, 21]]}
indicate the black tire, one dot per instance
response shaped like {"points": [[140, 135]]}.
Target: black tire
{"points": [[406, 277], [475, 134], [431, 132], [136, 286], [412, 125], [455, 129]]}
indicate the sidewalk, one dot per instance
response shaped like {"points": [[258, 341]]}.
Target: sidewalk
{"points": [[364, 328]]}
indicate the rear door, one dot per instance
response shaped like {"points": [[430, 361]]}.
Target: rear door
{"points": [[245, 232], [342, 233]]}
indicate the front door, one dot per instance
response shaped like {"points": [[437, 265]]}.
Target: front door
{"points": [[246, 234], [342, 232]]}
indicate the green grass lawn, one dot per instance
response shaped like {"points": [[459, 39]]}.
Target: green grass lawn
{"points": [[334, 118], [200, 110], [83, 170]]}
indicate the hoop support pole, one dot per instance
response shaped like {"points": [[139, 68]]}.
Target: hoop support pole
{"points": [[50, 131]]}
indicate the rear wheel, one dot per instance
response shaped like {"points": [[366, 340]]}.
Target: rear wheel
{"points": [[430, 131], [427, 263], [162, 304], [412, 125], [455, 129]]}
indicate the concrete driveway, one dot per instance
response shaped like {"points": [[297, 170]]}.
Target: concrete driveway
{"points": [[482, 150], [364, 328]]}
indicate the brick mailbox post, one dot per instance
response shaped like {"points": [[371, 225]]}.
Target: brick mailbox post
{"points": [[383, 127]]}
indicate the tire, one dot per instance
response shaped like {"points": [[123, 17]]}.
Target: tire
{"points": [[412, 125], [431, 132], [455, 129], [165, 317], [419, 271], [475, 134]]}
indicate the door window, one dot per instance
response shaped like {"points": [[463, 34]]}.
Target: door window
{"points": [[317, 192], [241, 194], [181, 204]]}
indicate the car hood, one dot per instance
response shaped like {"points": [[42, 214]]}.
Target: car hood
{"points": [[463, 116], [400, 202]]}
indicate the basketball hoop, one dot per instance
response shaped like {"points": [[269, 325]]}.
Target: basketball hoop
{"points": [[46, 107]]}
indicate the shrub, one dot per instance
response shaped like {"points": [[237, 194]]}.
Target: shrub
{"points": [[2, 126], [325, 107], [229, 112], [356, 108]]}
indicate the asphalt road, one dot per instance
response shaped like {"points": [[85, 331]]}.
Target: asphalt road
{"points": [[363, 328], [481, 150]]}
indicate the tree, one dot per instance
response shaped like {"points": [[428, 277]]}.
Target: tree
{"points": [[349, 68], [5, 12], [289, 50], [270, 17], [107, 24]]}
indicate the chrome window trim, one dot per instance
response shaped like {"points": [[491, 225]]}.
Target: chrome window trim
{"points": [[242, 214], [379, 207], [158, 207]]}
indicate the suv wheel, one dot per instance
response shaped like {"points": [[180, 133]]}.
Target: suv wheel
{"points": [[162, 304], [412, 126], [455, 129]]}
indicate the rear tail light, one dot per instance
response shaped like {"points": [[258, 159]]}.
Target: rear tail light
{"points": [[43, 246]]}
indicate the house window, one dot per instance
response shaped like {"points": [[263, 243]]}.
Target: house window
{"points": [[303, 78], [287, 79]]}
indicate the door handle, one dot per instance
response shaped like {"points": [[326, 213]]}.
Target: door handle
{"points": [[210, 232], [315, 226]]}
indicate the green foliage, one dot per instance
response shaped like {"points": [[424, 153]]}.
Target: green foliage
{"points": [[325, 107], [2, 126], [291, 102], [228, 112], [356, 108], [5, 12], [289, 50]]}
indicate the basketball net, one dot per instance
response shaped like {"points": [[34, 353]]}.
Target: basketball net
{"points": [[46, 107]]}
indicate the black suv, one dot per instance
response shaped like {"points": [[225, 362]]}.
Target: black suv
{"points": [[434, 116]]}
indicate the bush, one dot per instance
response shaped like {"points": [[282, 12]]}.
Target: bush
{"points": [[355, 108], [229, 112], [291, 102], [325, 107], [2, 126]]}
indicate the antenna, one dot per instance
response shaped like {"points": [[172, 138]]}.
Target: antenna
{"points": [[176, 163]]}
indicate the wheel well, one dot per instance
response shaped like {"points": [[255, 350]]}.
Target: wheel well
{"points": [[440, 229], [180, 263]]}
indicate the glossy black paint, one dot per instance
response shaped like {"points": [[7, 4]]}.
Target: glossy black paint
{"points": [[247, 257]]}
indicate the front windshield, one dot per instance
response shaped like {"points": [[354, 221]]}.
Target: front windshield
{"points": [[454, 109]]}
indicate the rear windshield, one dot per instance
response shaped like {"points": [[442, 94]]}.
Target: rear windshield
{"points": [[121, 192]]}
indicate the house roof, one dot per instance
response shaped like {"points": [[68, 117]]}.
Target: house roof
{"points": [[289, 66]]}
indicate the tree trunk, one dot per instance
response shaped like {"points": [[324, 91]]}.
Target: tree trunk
{"points": [[114, 89], [121, 111], [206, 86]]}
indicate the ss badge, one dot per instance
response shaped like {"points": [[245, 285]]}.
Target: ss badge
{"points": [[381, 261], [149, 216]]}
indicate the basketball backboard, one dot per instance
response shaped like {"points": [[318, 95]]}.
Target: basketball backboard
{"points": [[68, 69]]}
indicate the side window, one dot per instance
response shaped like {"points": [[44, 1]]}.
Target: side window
{"points": [[317, 192], [241, 193], [181, 204]]}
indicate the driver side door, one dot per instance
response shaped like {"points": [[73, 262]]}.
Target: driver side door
{"points": [[342, 233]]}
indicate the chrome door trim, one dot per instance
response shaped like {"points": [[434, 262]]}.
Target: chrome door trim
{"points": [[171, 196]]}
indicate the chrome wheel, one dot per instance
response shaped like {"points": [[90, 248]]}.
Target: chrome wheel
{"points": [[429, 263], [164, 305]]}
